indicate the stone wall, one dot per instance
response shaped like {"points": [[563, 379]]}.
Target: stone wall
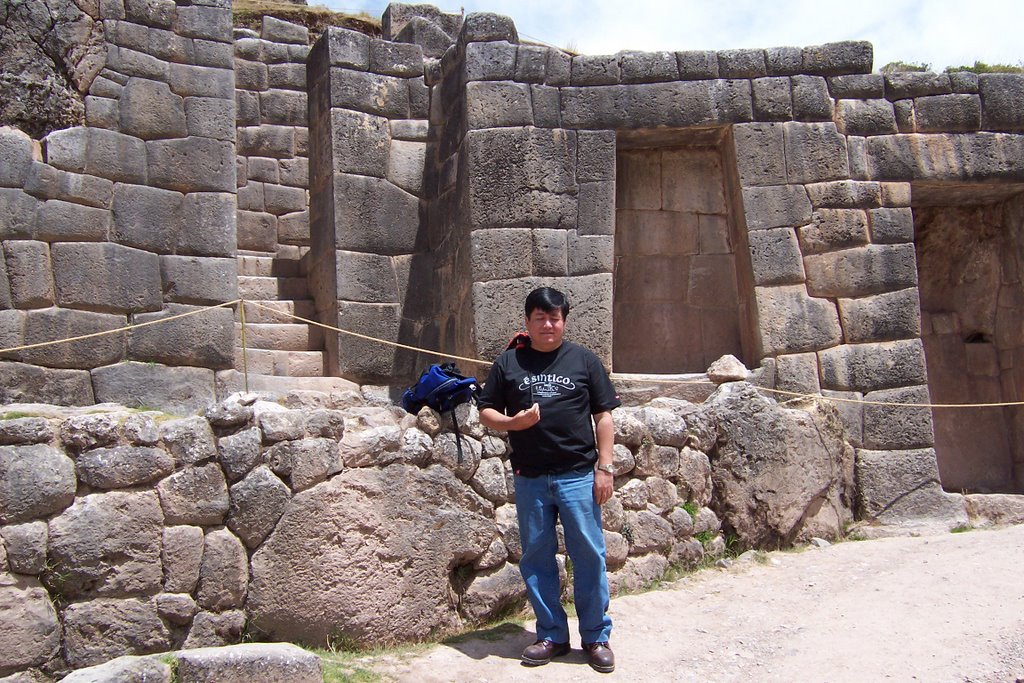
{"points": [[370, 131], [127, 219], [272, 136], [341, 518]]}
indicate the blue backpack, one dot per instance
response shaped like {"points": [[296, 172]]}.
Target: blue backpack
{"points": [[442, 388]]}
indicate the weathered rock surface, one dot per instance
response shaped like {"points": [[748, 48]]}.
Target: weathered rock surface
{"points": [[31, 634], [394, 534], [780, 474]]}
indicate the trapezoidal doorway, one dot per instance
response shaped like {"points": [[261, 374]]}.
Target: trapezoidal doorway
{"points": [[677, 302], [970, 254]]}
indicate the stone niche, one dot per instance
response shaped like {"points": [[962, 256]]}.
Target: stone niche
{"points": [[676, 285], [970, 251]]}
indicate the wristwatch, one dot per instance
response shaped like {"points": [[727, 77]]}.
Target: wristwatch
{"points": [[609, 468]]}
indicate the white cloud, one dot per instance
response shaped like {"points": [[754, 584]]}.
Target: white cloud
{"points": [[938, 32]]}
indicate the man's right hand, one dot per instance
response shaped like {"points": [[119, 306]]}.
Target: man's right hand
{"points": [[525, 419]]}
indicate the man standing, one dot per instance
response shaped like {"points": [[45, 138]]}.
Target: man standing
{"points": [[551, 396]]}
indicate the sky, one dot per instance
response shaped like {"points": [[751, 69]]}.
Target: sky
{"points": [[939, 33]]}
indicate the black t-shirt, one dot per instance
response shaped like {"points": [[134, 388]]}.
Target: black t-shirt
{"points": [[570, 385]]}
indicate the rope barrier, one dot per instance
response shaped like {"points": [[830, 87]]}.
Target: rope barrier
{"points": [[119, 329], [794, 395]]}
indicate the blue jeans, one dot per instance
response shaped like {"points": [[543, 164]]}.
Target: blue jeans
{"points": [[540, 502]]}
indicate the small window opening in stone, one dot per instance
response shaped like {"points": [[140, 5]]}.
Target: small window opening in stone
{"points": [[977, 338]]}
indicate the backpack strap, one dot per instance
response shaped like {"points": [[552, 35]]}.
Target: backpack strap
{"points": [[458, 434]]}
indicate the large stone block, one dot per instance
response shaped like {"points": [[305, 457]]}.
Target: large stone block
{"points": [[596, 211], [360, 143], [224, 572], [811, 101], [52, 324], [595, 156], [857, 86], [198, 280], [815, 152], [21, 383], [182, 553], [257, 502], [35, 482], [374, 216], [150, 111], [791, 321], [367, 278], [208, 225], [250, 662], [902, 487], [266, 141], [869, 367], [498, 104], [406, 165], [595, 69], [192, 164], [285, 107], [776, 206], [741, 64], [773, 99], [490, 61], [891, 225], [865, 117], [106, 277], [28, 274], [180, 391], [833, 229], [210, 117], [797, 372], [146, 217], [1002, 96], [522, 178], [505, 253], [862, 271], [123, 466], [59, 221], [890, 427], [531, 63], [32, 633], [366, 359], [201, 81], [648, 67], [589, 254], [108, 544], [46, 182], [948, 113], [205, 340], [194, 496], [394, 59], [100, 630], [775, 256], [697, 64], [210, 23], [836, 59], [15, 157], [884, 317], [732, 101], [281, 199], [902, 85], [845, 194], [371, 93], [17, 214], [760, 153], [95, 151]]}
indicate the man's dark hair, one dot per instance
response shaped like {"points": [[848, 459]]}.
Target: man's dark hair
{"points": [[548, 300]]}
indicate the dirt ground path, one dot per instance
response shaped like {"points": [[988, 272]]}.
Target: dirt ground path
{"points": [[933, 608]]}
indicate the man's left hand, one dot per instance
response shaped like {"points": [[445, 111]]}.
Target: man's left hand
{"points": [[602, 486]]}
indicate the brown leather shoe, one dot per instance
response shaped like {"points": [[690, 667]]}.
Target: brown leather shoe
{"points": [[600, 657], [542, 651]]}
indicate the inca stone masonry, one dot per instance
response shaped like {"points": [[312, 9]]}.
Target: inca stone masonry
{"points": [[851, 234]]}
